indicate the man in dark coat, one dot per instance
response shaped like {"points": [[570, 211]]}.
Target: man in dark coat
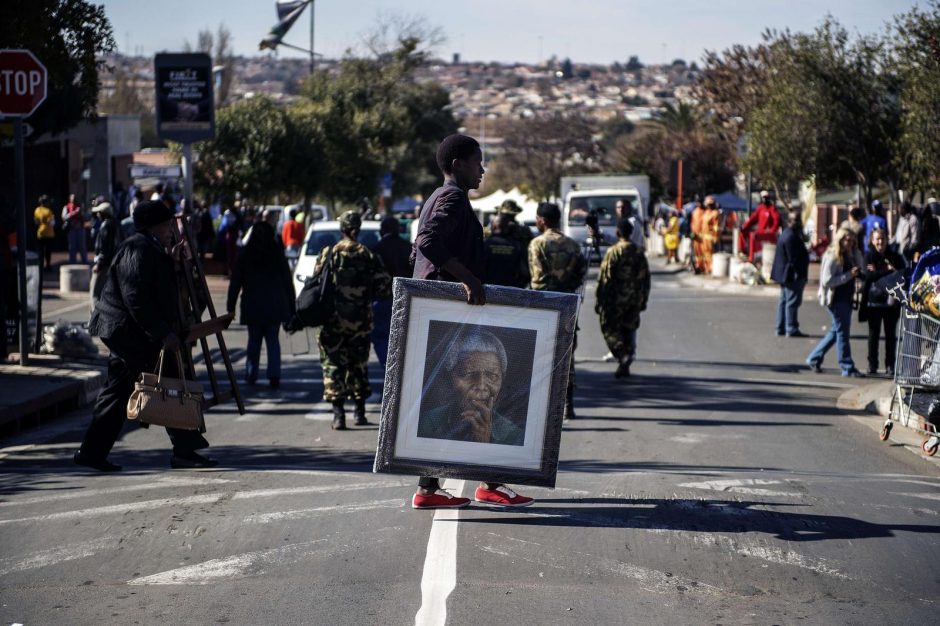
{"points": [[449, 246], [790, 270], [137, 315], [395, 253], [106, 243]]}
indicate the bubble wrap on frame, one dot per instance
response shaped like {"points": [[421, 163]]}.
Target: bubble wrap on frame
{"points": [[410, 358]]}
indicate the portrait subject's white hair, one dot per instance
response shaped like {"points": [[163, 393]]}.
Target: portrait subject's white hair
{"points": [[475, 341]]}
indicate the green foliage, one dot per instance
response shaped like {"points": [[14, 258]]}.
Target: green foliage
{"points": [[68, 37], [917, 63], [348, 128], [812, 106], [250, 152]]}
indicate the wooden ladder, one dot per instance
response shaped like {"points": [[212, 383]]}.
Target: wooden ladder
{"points": [[197, 295]]}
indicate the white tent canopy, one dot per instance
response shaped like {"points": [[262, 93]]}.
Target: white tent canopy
{"points": [[490, 204]]}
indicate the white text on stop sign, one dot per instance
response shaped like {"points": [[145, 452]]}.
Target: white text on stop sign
{"points": [[19, 82]]}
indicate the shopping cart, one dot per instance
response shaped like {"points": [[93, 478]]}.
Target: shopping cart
{"points": [[917, 369]]}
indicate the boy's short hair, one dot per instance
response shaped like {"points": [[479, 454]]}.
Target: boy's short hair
{"points": [[625, 227], [455, 146], [549, 212]]}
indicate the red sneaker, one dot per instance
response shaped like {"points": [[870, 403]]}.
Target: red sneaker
{"points": [[501, 496], [440, 499]]}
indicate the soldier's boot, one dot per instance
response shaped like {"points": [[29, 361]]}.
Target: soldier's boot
{"points": [[339, 415], [361, 413], [623, 370]]}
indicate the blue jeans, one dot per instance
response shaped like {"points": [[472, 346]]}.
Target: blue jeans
{"points": [[791, 297], [382, 322], [839, 332], [270, 335], [77, 244]]}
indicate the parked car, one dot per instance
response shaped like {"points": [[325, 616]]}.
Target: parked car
{"points": [[321, 235]]}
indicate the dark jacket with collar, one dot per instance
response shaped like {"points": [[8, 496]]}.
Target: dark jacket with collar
{"points": [[791, 262], [139, 303], [448, 228], [395, 253], [266, 287]]}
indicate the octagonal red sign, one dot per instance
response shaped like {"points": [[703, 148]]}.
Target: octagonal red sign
{"points": [[22, 83]]}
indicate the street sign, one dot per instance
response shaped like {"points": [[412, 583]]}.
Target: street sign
{"points": [[22, 83], [156, 171], [185, 108], [6, 130]]}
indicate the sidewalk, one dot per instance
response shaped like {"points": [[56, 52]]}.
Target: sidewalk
{"points": [[875, 399], [46, 388], [726, 285]]}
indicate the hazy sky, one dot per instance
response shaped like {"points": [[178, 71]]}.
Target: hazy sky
{"points": [[505, 30]]}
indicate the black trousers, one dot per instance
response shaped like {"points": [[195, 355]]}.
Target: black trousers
{"points": [[878, 317], [125, 364]]}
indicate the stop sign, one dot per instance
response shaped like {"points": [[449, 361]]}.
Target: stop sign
{"points": [[22, 83]]}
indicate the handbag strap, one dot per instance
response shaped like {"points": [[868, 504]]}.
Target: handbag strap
{"points": [[179, 363]]}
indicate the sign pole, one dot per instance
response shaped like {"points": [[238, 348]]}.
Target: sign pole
{"points": [[188, 176], [20, 169]]}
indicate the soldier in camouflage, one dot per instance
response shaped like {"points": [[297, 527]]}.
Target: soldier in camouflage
{"points": [[623, 288], [358, 278], [557, 264]]}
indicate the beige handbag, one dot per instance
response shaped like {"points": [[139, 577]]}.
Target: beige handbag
{"points": [[163, 401]]}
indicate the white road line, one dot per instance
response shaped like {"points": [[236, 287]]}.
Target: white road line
{"points": [[54, 556], [197, 499], [924, 496], [230, 567], [440, 565], [160, 483], [267, 518]]}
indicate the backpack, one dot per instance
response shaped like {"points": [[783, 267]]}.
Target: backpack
{"points": [[315, 302]]}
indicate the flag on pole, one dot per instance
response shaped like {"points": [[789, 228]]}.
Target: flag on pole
{"points": [[284, 7], [277, 33]]}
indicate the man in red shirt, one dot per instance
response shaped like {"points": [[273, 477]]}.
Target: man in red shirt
{"points": [[73, 217], [292, 234], [768, 224]]}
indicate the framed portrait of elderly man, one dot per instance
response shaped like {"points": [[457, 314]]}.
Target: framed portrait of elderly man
{"points": [[475, 392]]}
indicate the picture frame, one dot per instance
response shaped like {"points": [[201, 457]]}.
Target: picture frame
{"points": [[476, 392]]}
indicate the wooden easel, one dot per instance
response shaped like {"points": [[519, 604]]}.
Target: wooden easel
{"points": [[197, 295]]}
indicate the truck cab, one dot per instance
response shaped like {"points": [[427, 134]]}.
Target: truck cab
{"points": [[600, 202]]}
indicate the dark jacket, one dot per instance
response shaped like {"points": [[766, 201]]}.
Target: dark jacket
{"points": [[872, 295], [139, 303], [395, 253], [791, 263], [506, 263], [266, 287], [448, 228], [107, 241]]}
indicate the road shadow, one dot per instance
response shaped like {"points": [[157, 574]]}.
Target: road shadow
{"points": [[706, 516]]}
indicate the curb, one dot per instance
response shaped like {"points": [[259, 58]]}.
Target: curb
{"points": [[875, 401]]}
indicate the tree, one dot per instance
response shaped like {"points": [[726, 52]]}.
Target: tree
{"points": [[917, 63], [250, 152], [69, 37], [634, 65], [814, 106], [125, 99], [219, 47], [537, 152], [377, 118]]}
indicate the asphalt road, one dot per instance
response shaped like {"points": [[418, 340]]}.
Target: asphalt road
{"points": [[718, 485]]}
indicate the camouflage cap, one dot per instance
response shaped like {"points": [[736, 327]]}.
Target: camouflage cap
{"points": [[509, 207], [350, 220]]}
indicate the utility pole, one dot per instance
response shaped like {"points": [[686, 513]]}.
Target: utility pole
{"points": [[313, 57]]}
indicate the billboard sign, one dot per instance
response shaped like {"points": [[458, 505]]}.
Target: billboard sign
{"points": [[185, 106]]}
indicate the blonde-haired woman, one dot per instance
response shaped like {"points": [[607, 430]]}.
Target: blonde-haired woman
{"points": [[841, 265]]}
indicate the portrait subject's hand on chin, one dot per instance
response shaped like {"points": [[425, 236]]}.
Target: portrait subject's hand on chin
{"points": [[478, 419]]}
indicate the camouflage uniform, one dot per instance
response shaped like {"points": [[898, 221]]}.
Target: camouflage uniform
{"points": [[557, 264], [344, 341], [623, 288]]}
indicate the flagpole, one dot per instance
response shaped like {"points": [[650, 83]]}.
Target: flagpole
{"points": [[313, 58]]}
